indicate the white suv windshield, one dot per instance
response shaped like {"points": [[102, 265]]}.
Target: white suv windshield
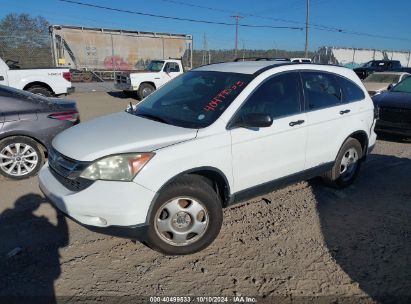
{"points": [[195, 99]]}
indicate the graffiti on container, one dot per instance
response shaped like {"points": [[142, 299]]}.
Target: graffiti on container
{"points": [[116, 63]]}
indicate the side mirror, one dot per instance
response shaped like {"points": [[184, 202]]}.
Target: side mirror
{"points": [[254, 120]]}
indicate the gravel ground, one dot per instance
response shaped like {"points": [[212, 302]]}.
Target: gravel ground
{"points": [[106, 86], [304, 242]]}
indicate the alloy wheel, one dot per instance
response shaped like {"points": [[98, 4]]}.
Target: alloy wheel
{"points": [[18, 159]]}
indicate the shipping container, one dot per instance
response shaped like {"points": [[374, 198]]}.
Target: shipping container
{"points": [[109, 50]]}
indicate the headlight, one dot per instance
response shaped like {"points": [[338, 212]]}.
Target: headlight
{"points": [[122, 167]]}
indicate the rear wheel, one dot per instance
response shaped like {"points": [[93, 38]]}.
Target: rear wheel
{"points": [[144, 90], [20, 157], [42, 91], [346, 166], [186, 217]]}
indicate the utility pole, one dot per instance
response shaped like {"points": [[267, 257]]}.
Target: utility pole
{"points": [[306, 27], [237, 18], [205, 49]]}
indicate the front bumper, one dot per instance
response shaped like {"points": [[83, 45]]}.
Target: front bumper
{"points": [[393, 128], [105, 205], [135, 232], [123, 86]]}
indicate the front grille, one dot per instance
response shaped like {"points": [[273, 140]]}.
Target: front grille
{"points": [[67, 171], [76, 184], [395, 115]]}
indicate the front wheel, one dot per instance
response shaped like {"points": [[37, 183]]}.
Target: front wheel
{"points": [[144, 90], [346, 166], [186, 217]]}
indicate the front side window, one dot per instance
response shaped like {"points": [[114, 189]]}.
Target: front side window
{"points": [[278, 96], [194, 99], [321, 90], [351, 91]]}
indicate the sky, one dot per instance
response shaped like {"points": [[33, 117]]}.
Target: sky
{"points": [[377, 24]]}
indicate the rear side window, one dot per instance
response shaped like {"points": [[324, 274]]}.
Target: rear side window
{"points": [[351, 92], [321, 90], [278, 96]]}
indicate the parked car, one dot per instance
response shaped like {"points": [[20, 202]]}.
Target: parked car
{"points": [[380, 66], [394, 108], [382, 81], [157, 73], [28, 123], [216, 135], [43, 81]]}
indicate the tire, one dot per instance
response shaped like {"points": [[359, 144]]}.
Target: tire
{"points": [[40, 91], [20, 157], [144, 90], [185, 205], [347, 165]]}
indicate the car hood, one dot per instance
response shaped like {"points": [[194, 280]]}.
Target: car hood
{"points": [[393, 99], [118, 133], [376, 86]]}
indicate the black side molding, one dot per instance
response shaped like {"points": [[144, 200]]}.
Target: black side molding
{"points": [[265, 188]]}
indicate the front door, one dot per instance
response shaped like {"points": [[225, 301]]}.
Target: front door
{"points": [[170, 71], [266, 154]]}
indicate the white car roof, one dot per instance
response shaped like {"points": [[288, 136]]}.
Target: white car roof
{"points": [[244, 67], [251, 67]]}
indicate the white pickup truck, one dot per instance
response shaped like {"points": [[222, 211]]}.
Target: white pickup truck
{"points": [[47, 82], [157, 73]]}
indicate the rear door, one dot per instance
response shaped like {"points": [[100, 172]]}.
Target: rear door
{"points": [[261, 155], [327, 115]]}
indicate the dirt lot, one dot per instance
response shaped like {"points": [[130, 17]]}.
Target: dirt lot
{"points": [[303, 241]]}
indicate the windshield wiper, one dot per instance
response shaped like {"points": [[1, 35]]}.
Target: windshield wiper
{"points": [[153, 117]]}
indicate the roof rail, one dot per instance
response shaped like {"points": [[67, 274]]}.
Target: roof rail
{"points": [[261, 59]]}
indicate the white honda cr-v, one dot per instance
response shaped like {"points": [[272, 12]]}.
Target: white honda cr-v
{"points": [[163, 170]]}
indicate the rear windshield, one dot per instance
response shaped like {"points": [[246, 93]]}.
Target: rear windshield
{"points": [[193, 100]]}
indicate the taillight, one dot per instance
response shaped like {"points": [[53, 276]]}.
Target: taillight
{"points": [[72, 116], [67, 76]]}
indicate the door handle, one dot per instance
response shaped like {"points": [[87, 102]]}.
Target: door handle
{"points": [[298, 122], [1, 78], [345, 112]]}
